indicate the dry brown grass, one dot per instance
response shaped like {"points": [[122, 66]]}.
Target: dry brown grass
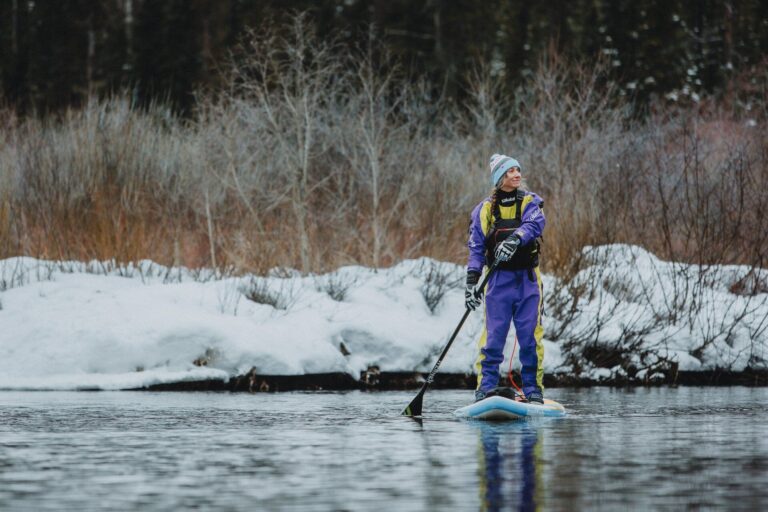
{"points": [[383, 173]]}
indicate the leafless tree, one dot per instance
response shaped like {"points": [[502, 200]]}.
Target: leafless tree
{"points": [[291, 80]]}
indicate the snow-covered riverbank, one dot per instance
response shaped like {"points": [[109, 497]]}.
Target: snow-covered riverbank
{"points": [[106, 326]]}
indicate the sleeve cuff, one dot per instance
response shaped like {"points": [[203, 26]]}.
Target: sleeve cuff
{"points": [[473, 276]]}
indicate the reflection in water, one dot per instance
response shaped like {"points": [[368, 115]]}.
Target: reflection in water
{"points": [[637, 449], [509, 465]]}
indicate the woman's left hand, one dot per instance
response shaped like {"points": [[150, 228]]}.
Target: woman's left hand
{"points": [[506, 249]]}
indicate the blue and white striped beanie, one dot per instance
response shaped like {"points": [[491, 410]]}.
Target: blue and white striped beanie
{"points": [[500, 164]]}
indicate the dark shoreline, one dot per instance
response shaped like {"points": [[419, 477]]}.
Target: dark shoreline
{"points": [[252, 382]]}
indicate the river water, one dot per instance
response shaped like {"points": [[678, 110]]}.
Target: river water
{"points": [[659, 448]]}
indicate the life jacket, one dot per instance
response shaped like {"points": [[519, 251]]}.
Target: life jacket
{"points": [[526, 257]]}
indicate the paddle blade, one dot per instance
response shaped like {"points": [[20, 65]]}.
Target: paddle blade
{"points": [[414, 408]]}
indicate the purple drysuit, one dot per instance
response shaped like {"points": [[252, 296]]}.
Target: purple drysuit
{"points": [[511, 296]]}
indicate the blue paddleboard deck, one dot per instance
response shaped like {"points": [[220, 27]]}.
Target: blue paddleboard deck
{"points": [[500, 408]]}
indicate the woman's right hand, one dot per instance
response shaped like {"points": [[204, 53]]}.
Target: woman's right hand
{"points": [[472, 297]]}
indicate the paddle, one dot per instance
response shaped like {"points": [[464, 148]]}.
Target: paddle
{"points": [[414, 408]]}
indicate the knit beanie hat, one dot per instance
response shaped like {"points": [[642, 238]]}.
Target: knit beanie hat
{"points": [[500, 164]]}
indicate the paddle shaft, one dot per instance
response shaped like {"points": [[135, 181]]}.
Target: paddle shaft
{"points": [[416, 403]]}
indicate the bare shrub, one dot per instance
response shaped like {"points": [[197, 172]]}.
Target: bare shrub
{"points": [[12, 277], [294, 87], [228, 295], [616, 335], [335, 284], [439, 278], [313, 160], [375, 129], [701, 188], [574, 135], [754, 282], [260, 291], [83, 185], [17, 272]]}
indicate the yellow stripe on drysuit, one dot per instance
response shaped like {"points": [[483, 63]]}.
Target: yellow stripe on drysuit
{"points": [[538, 334], [508, 212], [481, 343]]}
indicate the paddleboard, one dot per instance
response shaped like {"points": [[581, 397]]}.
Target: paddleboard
{"points": [[500, 408]]}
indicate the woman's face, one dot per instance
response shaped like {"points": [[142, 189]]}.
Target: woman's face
{"points": [[511, 180]]}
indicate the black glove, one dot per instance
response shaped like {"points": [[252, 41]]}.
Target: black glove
{"points": [[506, 249], [472, 298]]}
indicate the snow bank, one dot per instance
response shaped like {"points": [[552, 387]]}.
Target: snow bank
{"points": [[99, 325], [649, 313], [69, 326]]}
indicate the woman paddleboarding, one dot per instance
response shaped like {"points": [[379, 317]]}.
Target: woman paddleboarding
{"points": [[506, 226]]}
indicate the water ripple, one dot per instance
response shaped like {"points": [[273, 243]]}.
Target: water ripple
{"points": [[637, 448]]}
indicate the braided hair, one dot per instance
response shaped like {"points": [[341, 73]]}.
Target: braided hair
{"points": [[494, 200]]}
